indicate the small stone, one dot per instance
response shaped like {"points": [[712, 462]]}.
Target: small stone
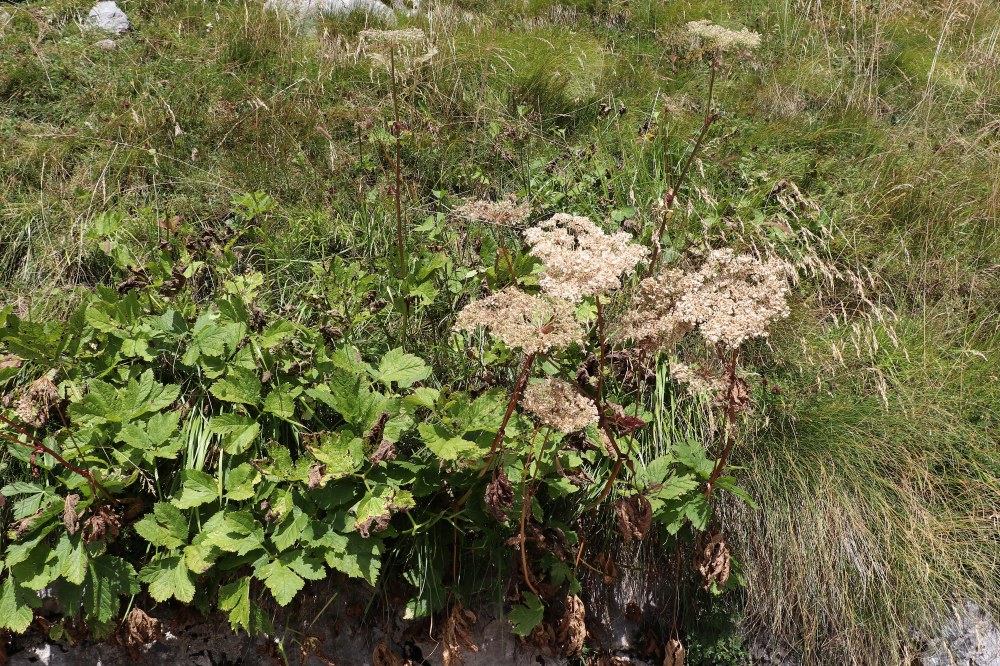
{"points": [[107, 45], [106, 15]]}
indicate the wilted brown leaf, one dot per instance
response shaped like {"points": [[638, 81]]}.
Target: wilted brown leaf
{"points": [[10, 361], [103, 524], [141, 629], [315, 476], [35, 406], [572, 631], [673, 653], [22, 526], [374, 433], [634, 516], [383, 656], [712, 560], [70, 519], [456, 635], [499, 496], [385, 452]]}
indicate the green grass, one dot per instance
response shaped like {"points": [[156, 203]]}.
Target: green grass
{"points": [[876, 474]]}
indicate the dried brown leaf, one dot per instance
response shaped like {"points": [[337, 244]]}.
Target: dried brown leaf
{"points": [[673, 653], [499, 496], [315, 476], [383, 656], [22, 526], [35, 406], [634, 516], [456, 635], [712, 560], [385, 452], [141, 629], [70, 519], [103, 524], [572, 630]]}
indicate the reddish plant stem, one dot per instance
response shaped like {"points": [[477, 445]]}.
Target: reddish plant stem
{"points": [[522, 381], [527, 491], [506, 256], [671, 195], [397, 129], [40, 447], [731, 399], [603, 351]]}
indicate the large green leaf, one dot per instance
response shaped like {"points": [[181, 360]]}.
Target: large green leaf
{"points": [[168, 577], [108, 580], [15, 607], [402, 368], [239, 385], [166, 527], [197, 488], [447, 446], [238, 432], [281, 580], [525, 617]]}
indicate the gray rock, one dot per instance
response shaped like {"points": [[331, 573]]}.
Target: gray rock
{"points": [[106, 15], [309, 8], [767, 651], [969, 637]]}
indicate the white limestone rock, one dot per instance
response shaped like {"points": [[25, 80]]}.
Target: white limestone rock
{"points": [[106, 15], [307, 8]]}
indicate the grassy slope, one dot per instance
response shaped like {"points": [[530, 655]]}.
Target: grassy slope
{"points": [[877, 473]]}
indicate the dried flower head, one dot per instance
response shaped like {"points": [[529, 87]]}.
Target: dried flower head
{"points": [[508, 211], [580, 259], [717, 38], [409, 46], [733, 298], [698, 380], [535, 324], [36, 404], [558, 405], [652, 322]]}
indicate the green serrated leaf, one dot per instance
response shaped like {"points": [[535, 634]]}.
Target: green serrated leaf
{"points": [[108, 580], [15, 607], [168, 577], [72, 554], [288, 532], [239, 385], [238, 432], [402, 368], [197, 488], [166, 527], [235, 599], [283, 583], [281, 402], [447, 446], [525, 617], [240, 482]]}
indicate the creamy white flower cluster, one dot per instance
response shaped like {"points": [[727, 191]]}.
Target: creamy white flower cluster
{"points": [[534, 324], [507, 211], [734, 297], [652, 322], [559, 405], [580, 259], [729, 300], [717, 38]]}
